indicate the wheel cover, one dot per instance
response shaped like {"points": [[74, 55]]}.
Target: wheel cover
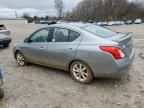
{"points": [[20, 59], [80, 72]]}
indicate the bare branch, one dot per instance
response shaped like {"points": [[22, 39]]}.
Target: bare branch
{"points": [[59, 6]]}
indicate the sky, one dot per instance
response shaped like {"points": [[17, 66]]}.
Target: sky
{"points": [[33, 7]]}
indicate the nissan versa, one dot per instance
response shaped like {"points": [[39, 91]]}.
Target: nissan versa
{"points": [[86, 50]]}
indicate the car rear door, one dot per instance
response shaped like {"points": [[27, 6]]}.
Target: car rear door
{"points": [[63, 47]]}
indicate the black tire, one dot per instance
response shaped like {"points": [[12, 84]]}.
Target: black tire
{"points": [[1, 93], [88, 73], [21, 62], [6, 45]]}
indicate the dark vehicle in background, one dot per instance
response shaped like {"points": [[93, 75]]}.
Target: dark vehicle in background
{"points": [[90, 21], [37, 22], [1, 84], [5, 38], [49, 22], [43, 22]]}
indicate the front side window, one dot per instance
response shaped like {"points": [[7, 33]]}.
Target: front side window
{"points": [[64, 35], [40, 36]]}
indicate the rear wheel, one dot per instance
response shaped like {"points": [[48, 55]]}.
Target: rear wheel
{"points": [[81, 72], [21, 59]]}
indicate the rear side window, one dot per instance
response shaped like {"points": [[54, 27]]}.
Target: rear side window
{"points": [[60, 35], [73, 35], [64, 35]]}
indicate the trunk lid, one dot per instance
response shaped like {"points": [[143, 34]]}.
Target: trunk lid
{"points": [[125, 42]]}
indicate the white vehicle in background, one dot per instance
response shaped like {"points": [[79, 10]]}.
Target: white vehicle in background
{"points": [[129, 22], [117, 22], [105, 23], [102, 23], [138, 21], [99, 23], [111, 23], [122, 22], [61, 21]]}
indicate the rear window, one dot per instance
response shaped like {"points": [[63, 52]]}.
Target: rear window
{"points": [[99, 31]]}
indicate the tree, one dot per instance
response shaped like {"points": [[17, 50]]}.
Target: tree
{"points": [[108, 9], [42, 18], [59, 6], [36, 18], [47, 18], [28, 17]]}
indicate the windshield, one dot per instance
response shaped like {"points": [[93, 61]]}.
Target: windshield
{"points": [[99, 31], [2, 27]]}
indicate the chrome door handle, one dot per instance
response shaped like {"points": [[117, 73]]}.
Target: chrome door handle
{"points": [[70, 49], [42, 48]]}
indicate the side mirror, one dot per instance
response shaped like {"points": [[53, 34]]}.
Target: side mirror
{"points": [[27, 40]]}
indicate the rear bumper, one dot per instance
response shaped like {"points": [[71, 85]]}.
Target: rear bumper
{"points": [[119, 68], [5, 41]]}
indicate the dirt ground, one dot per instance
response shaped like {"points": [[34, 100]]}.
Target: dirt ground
{"points": [[42, 87]]}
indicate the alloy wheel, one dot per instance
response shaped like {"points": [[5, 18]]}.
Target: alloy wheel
{"points": [[20, 59], [80, 72]]}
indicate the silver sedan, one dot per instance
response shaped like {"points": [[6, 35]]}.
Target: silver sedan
{"points": [[85, 50]]}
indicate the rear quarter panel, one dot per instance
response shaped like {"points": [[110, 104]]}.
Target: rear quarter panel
{"points": [[99, 61]]}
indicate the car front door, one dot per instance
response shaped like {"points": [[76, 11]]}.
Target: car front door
{"points": [[63, 47], [36, 49]]}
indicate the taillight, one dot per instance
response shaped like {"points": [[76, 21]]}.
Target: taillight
{"points": [[115, 51]]}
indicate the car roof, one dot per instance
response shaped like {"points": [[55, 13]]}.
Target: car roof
{"points": [[70, 25]]}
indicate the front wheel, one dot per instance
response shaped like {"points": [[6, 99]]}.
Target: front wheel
{"points": [[81, 72], [21, 59]]}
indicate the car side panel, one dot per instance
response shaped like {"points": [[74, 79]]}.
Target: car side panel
{"points": [[60, 54]]}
